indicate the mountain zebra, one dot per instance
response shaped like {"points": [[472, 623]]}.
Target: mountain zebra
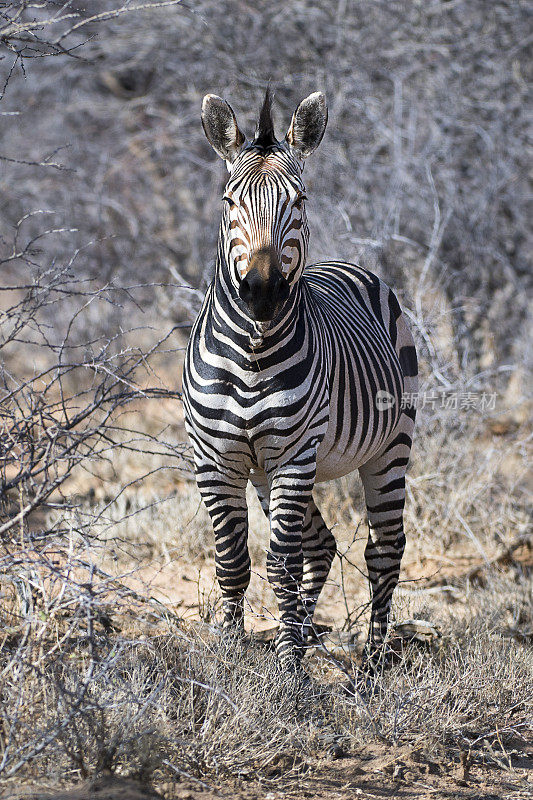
{"points": [[292, 377]]}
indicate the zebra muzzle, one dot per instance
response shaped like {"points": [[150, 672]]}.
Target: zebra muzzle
{"points": [[263, 288]]}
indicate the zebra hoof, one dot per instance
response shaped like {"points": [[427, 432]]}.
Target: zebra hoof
{"points": [[233, 632], [376, 660], [290, 661], [361, 687], [294, 673]]}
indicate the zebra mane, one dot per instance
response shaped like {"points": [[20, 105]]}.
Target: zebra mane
{"points": [[264, 135]]}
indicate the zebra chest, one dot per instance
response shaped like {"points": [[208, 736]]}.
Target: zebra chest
{"points": [[259, 415], [262, 400]]}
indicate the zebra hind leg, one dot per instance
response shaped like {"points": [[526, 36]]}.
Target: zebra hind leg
{"points": [[384, 484], [319, 548]]}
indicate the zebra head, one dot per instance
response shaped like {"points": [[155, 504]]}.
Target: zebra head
{"points": [[264, 229]]}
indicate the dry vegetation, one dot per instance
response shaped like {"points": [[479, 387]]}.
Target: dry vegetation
{"points": [[113, 671]]}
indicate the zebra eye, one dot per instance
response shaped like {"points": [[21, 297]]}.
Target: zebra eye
{"points": [[298, 203], [231, 203]]}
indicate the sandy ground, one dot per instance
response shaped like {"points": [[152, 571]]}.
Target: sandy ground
{"points": [[376, 772]]}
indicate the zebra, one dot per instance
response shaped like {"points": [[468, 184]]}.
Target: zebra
{"points": [[294, 375]]}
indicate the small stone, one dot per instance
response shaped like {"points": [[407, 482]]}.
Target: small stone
{"points": [[398, 772], [336, 751]]}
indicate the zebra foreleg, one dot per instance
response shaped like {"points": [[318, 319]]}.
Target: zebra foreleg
{"points": [[290, 495], [226, 504], [384, 484]]}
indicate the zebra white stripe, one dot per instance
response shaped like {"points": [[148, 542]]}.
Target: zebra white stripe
{"points": [[294, 376]]}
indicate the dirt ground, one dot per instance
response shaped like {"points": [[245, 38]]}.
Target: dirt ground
{"points": [[377, 771]]}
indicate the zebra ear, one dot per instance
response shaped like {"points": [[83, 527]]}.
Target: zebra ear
{"points": [[308, 124], [221, 127]]}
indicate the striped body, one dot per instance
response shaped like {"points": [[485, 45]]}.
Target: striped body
{"points": [[317, 376], [294, 376]]}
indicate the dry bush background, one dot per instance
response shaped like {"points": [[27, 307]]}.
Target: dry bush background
{"points": [[110, 658]]}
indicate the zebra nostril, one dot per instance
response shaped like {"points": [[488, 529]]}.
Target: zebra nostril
{"points": [[245, 290], [283, 290], [263, 293]]}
